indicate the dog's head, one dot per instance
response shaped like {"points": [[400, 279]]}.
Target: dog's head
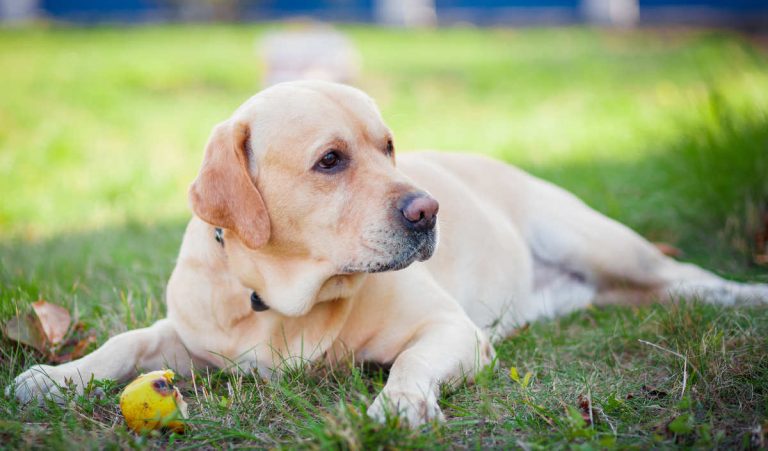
{"points": [[307, 169]]}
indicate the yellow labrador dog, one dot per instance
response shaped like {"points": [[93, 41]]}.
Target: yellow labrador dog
{"points": [[310, 240]]}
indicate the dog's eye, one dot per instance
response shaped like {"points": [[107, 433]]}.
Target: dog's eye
{"points": [[329, 161], [390, 147]]}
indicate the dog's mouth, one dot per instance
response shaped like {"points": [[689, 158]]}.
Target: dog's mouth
{"points": [[393, 255]]}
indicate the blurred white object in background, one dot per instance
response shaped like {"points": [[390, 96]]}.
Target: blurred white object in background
{"points": [[621, 13], [18, 11], [309, 52], [409, 13]]}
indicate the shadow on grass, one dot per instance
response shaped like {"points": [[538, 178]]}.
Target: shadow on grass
{"points": [[94, 272], [707, 193]]}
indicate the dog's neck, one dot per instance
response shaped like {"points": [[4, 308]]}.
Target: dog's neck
{"points": [[294, 287], [289, 285]]}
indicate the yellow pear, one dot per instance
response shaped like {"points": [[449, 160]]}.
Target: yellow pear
{"points": [[152, 402]]}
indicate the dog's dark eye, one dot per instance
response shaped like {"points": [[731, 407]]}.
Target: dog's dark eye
{"points": [[329, 161], [390, 147]]}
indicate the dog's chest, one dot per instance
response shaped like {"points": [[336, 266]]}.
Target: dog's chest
{"points": [[267, 340]]}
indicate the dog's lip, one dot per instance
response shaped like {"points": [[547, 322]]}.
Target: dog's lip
{"points": [[417, 246], [421, 252]]}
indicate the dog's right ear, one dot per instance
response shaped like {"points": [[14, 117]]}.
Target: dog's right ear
{"points": [[223, 193]]}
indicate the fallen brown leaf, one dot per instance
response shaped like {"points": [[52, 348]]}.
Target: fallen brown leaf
{"points": [[668, 250], [54, 320], [74, 346], [588, 413], [47, 329], [25, 329]]}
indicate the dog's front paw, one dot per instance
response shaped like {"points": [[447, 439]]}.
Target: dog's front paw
{"points": [[40, 382], [412, 407]]}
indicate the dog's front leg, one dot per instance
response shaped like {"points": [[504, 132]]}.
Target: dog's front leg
{"points": [[150, 348], [441, 352]]}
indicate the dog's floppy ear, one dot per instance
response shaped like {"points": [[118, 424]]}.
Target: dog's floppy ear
{"points": [[223, 194]]}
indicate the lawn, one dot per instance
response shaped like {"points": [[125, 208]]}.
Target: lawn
{"points": [[102, 130]]}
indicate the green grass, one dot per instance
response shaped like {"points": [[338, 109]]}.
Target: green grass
{"points": [[102, 129]]}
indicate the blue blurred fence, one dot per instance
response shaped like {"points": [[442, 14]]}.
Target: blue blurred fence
{"points": [[137, 10], [99, 10], [483, 12]]}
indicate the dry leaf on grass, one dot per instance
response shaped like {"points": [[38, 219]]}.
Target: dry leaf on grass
{"points": [[74, 345], [588, 413], [668, 250], [47, 328], [54, 320], [21, 330]]}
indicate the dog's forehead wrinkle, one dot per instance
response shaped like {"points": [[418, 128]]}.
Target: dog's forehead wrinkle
{"points": [[312, 116], [309, 137], [336, 140]]}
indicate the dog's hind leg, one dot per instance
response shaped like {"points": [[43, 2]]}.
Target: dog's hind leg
{"points": [[151, 348], [624, 267]]}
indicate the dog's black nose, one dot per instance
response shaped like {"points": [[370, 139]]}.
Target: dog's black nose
{"points": [[419, 211], [257, 304]]}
